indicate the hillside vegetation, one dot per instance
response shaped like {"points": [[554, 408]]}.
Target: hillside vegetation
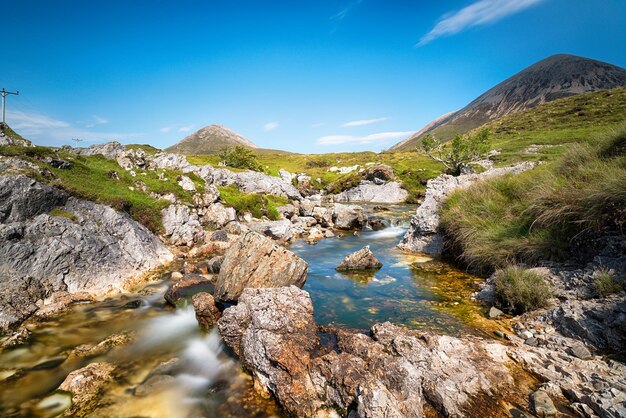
{"points": [[538, 214]]}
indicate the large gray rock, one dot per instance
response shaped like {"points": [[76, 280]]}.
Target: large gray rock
{"points": [[217, 215], [92, 248], [256, 261], [362, 259], [390, 374], [182, 226], [423, 235], [278, 230], [369, 191], [253, 182], [348, 216], [109, 150]]}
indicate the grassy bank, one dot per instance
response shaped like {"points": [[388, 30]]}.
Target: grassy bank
{"points": [[536, 215]]}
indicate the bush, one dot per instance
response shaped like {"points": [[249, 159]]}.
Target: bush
{"points": [[519, 290], [605, 283], [258, 205], [240, 157]]}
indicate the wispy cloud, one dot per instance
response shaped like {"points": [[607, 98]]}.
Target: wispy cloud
{"points": [[270, 126], [344, 12], [96, 120], [41, 127], [166, 129], [367, 139], [185, 128], [479, 13], [363, 122]]}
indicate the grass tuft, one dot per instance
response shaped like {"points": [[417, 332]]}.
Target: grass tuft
{"points": [[519, 290]]}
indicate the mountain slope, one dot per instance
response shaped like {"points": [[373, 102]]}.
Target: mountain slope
{"points": [[209, 140], [553, 78], [9, 137]]}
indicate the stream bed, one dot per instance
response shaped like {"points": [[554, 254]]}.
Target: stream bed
{"points": [[189, 372]]}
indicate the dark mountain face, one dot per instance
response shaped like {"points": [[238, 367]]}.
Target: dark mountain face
{"points": [[553, 78], [209, 140]]}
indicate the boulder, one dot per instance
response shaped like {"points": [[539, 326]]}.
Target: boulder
{"points": [[182, 226], [278, 230], [210, 196], [323, 216], [393, 373], [256, 261], [97, 251], [186, 183], [362, 259], [348, 217], [369, 191], [542, 404], [207, 312], [109, 150], [216, 216]]}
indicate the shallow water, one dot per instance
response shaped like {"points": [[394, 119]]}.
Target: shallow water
{"points": [[406, 290], [207, 381]]}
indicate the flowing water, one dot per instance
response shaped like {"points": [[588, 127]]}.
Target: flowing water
{"points": [[172, 369]]}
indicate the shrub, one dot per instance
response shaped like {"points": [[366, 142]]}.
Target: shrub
{"points": [[519, 290], [258, 205], [605, 283], [457, 153], [64, 214], [240, 157]]}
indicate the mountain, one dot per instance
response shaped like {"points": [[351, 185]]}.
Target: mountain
{"points": [[553, 78], [210, 140]]}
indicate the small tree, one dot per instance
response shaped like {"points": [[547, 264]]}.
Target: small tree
{"points": [[459, 152], [240, 157]]}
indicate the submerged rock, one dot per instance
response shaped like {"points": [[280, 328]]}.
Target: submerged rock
{"points": [[85, 383], [362, 259], [188, 286], [256, 261]]}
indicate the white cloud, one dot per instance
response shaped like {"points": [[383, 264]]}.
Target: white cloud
{"points": [[479, 13], [166, 129], [270, 126], [367, 139], [344, 12], [185, 128], [363, 122], [41, 127]]}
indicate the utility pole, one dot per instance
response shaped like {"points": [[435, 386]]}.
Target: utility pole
{"points": [[4, 95], [78, 141]]}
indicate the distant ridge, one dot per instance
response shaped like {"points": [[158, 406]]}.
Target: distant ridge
{"points": [[210, 140], [553, 78]]}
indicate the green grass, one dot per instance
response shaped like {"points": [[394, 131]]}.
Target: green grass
{"points": [[64, 214], [518, 290], [535, 215], [258, 205], [92, 178], [605, 283]]}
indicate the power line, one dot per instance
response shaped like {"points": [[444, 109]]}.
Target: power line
{"points": [[4, 95], [78, 141]]}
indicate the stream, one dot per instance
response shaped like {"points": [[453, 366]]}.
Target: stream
{"points": [[172, 369]]}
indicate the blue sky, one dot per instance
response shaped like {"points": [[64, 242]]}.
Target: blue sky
{"points": [[305, 76]]}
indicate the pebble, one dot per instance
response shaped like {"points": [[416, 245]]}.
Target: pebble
{"points": [[495, 313]]}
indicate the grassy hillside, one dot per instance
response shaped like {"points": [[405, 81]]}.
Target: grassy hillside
{"points": [[555, 126], [536, 215], [100, 180]]}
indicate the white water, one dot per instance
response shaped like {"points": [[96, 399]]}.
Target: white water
{"points": [[390, 232]]}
